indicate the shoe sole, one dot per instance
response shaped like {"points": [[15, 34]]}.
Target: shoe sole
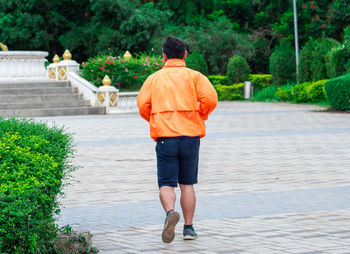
{"points": [[188, 237], [168, 234]]}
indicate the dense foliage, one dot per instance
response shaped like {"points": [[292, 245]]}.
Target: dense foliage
{"points": [[196, 62], [338, 92], [217, 29], [282, 64], [237, 69], [260, 80], [125, 74], [34, 160], [218, 79], [314, 58]]}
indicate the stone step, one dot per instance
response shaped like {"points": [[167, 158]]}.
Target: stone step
{"points": [[57, 98], [73, 103], [68, 111], [33, 84], [38, 91]]}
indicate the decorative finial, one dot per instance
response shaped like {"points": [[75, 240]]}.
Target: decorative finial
{"points": [[127, 55], [106, 81], [3, 47], [56, 59], [67, 55]]}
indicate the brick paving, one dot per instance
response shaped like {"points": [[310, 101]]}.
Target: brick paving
{"points": [[273, 178]]}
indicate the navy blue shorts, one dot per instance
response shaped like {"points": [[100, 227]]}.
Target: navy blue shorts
{"points": [[177, 160]]}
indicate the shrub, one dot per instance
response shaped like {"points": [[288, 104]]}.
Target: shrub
{"points": [[338, 92], [306, 54], [303, 93], [260, 80], [282, 64], [237, 69], [229, 93], [338, 59], [34, 160], [319, 59], [316, 91], [218, 79], [313, 60], [299, 93], [196, 62], [125, 75]]}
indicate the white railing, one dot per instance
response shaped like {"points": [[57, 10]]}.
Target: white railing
{"points": [[84, 87], [126, 103], [22, 65]]}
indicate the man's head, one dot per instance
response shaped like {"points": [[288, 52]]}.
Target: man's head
{"points": [[174, 48]]}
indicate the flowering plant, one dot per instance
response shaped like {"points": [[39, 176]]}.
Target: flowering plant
{"points": [[127, 75]]}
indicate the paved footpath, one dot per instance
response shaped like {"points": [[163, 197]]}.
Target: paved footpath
{"points": [[274, 178]]}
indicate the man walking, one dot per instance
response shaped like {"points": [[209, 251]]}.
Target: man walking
{"points": [[176, 101]]}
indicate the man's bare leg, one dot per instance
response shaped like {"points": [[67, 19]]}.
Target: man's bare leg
{"points": [[188, 202], [167, 197]]}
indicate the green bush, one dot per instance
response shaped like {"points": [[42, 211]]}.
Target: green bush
{"points": [[303, 92], [218, 79], [33, 162], [282, 64], [319, 59], [260, 80], [338, 59], [338, 92], [313, 59], [229, 93], [125, 75], [237, 69], [196, 62], [305, 61]]}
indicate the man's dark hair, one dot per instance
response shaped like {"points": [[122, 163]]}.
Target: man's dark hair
{"points": [[174, 48]]}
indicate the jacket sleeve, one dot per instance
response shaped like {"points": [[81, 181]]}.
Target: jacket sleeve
{"points": [[144, 100], [207, 96]]}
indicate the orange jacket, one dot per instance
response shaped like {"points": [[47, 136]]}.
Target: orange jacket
{"points": [[176, 100]]}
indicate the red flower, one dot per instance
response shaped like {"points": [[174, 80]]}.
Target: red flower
{"points": [[135, 77], [323, 26], [315, 18], [303, 6]]}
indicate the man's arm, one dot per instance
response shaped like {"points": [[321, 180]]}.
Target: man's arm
{"points": [[207, 96], [144, 100]]}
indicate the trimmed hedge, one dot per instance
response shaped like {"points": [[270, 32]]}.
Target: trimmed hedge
{"points": [[229, 93], [260, 80], [218, 79], [338, 92], [303, 93], [33, 162]]}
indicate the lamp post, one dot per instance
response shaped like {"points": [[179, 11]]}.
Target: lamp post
{"points": [[296, 38]]}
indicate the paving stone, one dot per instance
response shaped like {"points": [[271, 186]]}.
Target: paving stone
{"points": [[273, 178]]}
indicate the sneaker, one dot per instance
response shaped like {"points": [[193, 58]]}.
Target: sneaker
{"points": [[190, 234], [171, 220]]}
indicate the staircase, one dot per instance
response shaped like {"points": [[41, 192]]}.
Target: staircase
{"points": [[43, 98]]}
